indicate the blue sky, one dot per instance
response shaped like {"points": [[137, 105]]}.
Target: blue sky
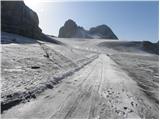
{"points": [[129, 20]]}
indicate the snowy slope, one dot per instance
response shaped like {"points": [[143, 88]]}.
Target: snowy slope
{"points": [[81, 78]]}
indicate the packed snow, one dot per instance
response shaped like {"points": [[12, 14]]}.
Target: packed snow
{"points": [[81, 78]]}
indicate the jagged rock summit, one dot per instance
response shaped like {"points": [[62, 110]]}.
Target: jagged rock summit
{"points": [[72, 30], [103, 31], [68, 29]]}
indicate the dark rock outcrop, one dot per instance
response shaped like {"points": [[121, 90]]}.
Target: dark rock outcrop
{"points": [[151, 47], [72, 30], [17, 18], [104, 31], [68, 30]]}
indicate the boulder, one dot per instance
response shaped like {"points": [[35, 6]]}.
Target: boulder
{"points": [[17, 18]]}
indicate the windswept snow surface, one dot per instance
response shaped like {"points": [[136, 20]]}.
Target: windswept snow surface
{"points": [[103, 81]]}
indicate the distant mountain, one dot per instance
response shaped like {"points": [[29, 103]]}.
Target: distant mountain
{"points": [[151, 47], [72, 30]]}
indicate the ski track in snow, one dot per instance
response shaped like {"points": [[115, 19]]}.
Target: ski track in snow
{"points": [[99, 90]]}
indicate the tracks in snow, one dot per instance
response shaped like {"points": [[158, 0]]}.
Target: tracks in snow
{"points": [[99, 90]]}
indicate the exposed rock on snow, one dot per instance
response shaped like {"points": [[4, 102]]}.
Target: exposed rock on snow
{"points": [[18, 18], [68, 29], [71, 30], [151, 47], [103, 31], [132, 46]]}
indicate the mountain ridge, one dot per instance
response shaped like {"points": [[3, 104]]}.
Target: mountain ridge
{"points": [[72, 30]]}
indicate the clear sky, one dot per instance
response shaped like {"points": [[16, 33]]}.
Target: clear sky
{"points": [[129, 20]]}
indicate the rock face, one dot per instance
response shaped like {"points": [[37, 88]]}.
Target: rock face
{"points": [[68, 30], [17, 18], [104, 31], [151, 47], [71, 30]]}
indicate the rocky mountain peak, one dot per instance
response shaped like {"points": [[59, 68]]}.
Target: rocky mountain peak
{"points": [[69, 29], [104, 31], [72, 30], [70, 24]]}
